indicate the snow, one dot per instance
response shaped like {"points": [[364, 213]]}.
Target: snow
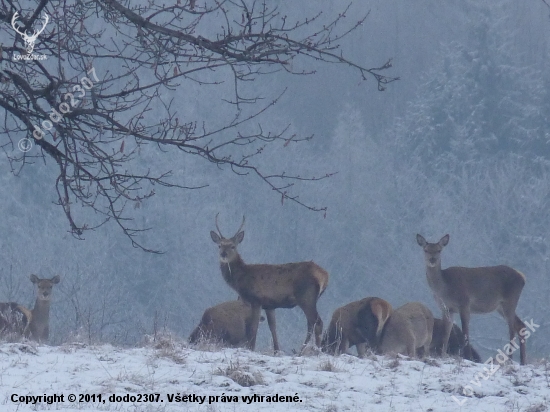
{"points": [[321, 382]]}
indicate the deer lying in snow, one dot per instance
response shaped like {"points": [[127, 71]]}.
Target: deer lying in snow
{"points": [[371, 321], [456, 345], [32, 324], [14, 320], [408, 328], [272, 286], [228, 323], [356, 324]]}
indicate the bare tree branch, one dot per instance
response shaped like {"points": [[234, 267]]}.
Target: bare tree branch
{"points": [[105, 94]]}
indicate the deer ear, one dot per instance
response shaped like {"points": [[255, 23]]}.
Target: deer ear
{"points": [[238, 238], [34, 279], [420, 240], [444, 240], [215, 237], [56, 279], [382, 311]]}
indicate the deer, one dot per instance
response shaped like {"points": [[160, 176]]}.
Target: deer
{"points": [[270, 286], [39, 326], [372, 322], [358, 324], [29, 39], [473, 290], [17, 320], [14, 320], [456, 345], [408, 331], [227, 323]]}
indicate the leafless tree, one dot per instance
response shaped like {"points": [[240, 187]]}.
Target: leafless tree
{"points": [[105, 81]]}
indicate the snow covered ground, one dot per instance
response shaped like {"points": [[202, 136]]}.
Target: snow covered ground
{"points": [[313, 382]]}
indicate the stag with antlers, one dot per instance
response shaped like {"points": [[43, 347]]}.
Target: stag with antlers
{"points": [[272, 286]]}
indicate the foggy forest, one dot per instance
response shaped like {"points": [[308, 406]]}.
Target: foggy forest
{"points": [[339, 130]]}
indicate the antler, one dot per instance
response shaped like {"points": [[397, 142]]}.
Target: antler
{"points": [[13, 23], [239, 229], [217, 227]]}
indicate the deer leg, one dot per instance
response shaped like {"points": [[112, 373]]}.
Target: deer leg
{"points": [[318, 331], [515, 325], [361, 349], [465, 322], [314, 325], [411, 347], [270, 314], [423, 350], [522, 352], [252, 328], [509, 317], [426, 350], [448, 326], [308, 303], [344, 346]]}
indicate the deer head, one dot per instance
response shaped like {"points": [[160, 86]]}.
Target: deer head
{"points": [[44, 287], [432, 251], [228, 247], [29, 39]]}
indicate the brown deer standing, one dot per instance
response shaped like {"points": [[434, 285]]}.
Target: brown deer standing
{"points": [[272, 286], [473, 290], [39, 327]]}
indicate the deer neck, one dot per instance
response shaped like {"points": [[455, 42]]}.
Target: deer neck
{"points": [[435, 278], [232, 271], [41, 311]]}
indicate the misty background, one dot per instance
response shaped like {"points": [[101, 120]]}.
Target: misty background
{"points": [[459, 145]]}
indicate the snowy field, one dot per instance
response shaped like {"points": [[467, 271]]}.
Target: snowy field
{"points": [[313, 382]]}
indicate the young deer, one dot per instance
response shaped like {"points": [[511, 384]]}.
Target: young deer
{"points": [[39, 327], [473, 290], [272, 286]]}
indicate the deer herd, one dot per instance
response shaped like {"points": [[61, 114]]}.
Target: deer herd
{"points": [[371, 322]]}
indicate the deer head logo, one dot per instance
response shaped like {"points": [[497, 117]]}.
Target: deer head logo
{"points": [[28, 38]]}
